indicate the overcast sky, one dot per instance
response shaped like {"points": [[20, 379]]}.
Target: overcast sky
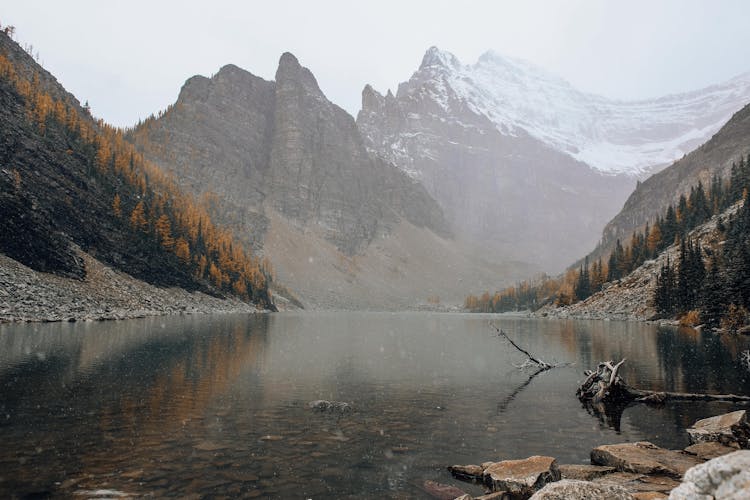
{"points": [[130, 58]]}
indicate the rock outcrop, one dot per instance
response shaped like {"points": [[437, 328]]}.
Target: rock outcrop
{"points": [[731, 430], [639, 471], [709, 450]]}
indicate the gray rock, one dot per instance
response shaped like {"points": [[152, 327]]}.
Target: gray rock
{"points": [[726, 477], [730, 429], [521, 477], [569, 489]]}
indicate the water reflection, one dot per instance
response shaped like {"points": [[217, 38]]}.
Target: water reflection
{"points": [[217, 405]]}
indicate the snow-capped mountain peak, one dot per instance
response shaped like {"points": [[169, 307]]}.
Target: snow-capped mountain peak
{"points": [[436, 58], [611, 135]]}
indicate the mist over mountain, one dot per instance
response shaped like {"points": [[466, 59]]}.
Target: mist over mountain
{"points": [[289, 171], [521, 162], [655, 194]]}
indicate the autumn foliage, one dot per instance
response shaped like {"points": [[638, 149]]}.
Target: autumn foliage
{"points": [[146, 199]]}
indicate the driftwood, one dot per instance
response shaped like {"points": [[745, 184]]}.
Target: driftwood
{"points": [[605, 386], [541, 365]]}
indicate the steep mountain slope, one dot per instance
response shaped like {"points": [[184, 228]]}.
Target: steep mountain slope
{"points": [[509, 194], [71, 185], [282, 144], [653, 195], [632, 297], [293, 177], [519, 158]]}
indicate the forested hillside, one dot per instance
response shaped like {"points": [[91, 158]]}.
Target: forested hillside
{"points": [[70, 182], [708, 282]]}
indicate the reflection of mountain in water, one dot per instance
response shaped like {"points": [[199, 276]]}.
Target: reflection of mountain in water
{"points": [[219, 404]]}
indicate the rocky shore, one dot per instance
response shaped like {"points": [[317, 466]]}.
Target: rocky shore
{"points": [[716, 465], [104, 294]]}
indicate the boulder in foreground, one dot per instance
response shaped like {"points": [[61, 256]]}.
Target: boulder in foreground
{"points": [[521, 477], [725, 477]]}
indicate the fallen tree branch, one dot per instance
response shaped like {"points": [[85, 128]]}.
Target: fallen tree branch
{"points": [[605, 386], [541, 364]]}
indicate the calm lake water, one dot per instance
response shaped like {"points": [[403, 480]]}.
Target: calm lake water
{"points": [[217, 405]]}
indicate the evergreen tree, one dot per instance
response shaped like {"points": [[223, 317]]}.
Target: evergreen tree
{"points": [[582, 288], [665, 290], [713, 297]]}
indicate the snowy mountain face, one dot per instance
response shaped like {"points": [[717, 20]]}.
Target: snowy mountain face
{"points": [[523, 164], [505, 192], [631, 137]]}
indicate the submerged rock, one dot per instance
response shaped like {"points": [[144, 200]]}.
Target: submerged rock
{"points": [[442, 491], [730, 429], [521, 477], [643, 458], [330, 406], [725, 477], [569, 489]]}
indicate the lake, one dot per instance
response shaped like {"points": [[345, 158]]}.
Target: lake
{"points": [[197, 406]]}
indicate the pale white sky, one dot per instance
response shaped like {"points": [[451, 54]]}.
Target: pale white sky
{"points": [[130, 58]]}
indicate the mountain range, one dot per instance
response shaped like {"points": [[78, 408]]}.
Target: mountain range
{"points": [[498, 163], [614, 136], [292, 176], [468, 177], [522, 163]]}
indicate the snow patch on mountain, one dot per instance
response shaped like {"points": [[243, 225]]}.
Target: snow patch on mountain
{"points": [[613, 136]]}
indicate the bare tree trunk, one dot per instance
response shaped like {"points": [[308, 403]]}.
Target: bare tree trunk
{"points": [[605, 386]]}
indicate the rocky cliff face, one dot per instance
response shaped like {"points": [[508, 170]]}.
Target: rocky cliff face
{"points": [[510, 194], [292, 176], [282, 145]]}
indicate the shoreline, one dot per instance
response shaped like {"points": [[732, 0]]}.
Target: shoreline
{"points": [[29, 296]]}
